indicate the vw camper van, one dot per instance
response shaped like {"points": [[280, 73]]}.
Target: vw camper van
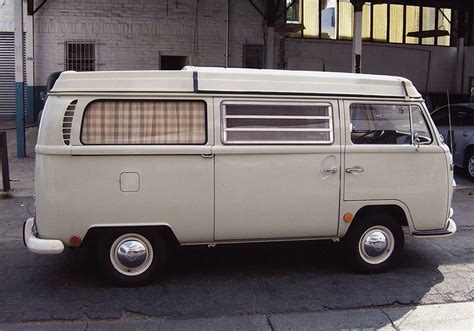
{"points": [[133, 162]]}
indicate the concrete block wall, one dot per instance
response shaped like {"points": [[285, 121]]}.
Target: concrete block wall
{"points": [[431, 68], [132, 34], [468, 67]]}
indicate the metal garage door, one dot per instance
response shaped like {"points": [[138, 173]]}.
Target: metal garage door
{"points": [[7, 75]]}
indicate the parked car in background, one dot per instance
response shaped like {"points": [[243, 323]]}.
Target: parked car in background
{"points": [[462, 123]]}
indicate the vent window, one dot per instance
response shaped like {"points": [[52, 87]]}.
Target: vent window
{"points": [[67, 122]]}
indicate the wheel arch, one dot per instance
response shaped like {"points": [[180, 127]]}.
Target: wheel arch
{"points": [[394, 210], [94, 233]]}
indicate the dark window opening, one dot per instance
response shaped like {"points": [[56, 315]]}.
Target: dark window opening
{"points": [[171, 62], [254, 56]]}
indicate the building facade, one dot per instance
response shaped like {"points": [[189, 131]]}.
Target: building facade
{"points": [[300, 35]]}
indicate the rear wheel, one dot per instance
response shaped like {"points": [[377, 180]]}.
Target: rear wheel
{"points": [[132, 258], [469, 165], [374, 243]]}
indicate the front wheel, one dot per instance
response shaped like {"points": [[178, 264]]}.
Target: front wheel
{"points": [[374, 243], [469, 165], [132, 258]]}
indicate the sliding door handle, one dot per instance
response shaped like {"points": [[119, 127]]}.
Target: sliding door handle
{"points": [[328, 171]]}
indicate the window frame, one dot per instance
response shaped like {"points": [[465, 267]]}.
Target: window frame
{"points": [[223, 117], [370, 38], [206, 120], [427, 123]]}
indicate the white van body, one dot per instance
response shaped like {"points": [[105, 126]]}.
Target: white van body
{"points": [[224, 190]]}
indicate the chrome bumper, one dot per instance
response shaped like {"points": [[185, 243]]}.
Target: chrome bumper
{"points": [[37, 245]]}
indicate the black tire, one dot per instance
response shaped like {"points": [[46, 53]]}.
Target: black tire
{"points": [[122, 275], [372, 225], [469, 170]]}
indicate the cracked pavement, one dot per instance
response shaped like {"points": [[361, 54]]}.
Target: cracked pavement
{"points": [[261, 285]]}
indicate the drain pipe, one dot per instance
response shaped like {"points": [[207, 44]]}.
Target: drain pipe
{"points": [[193, 54], [227, 34]]}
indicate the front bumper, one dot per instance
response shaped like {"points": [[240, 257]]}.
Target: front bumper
{"points": [[37, 245], [449, 230]]}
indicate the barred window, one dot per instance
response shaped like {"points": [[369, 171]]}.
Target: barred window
{"points": [[264, 123], [144, 122]]}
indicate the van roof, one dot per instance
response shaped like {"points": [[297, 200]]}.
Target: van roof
{"points": [[236, 80]]}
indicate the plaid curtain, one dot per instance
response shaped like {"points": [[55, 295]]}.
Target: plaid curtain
{"points": [[126, 122]]}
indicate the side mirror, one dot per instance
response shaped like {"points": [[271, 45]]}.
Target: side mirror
{"points": [[42, 96], [416, 140], [441, 138]]}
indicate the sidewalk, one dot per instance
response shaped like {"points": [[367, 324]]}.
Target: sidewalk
{"points": [[451, 316]]}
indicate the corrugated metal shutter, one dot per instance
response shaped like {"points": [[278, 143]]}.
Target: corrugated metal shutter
{"points": [[7, 75]]}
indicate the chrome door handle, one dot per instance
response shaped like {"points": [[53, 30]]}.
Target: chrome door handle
{"points": [[207, 156], [356, 169], [328, 171]]}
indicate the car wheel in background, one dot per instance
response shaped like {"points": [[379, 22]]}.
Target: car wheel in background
{"points": [[469, 165]]}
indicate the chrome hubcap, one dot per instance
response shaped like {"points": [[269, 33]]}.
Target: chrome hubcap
{"points": [[376, 244], [470, 165], [131, 254]]}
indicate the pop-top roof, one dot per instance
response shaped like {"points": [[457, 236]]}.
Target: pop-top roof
{"points": [[235, 80]]}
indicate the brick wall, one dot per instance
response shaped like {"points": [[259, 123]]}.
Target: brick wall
{"points": [[131, 34]]}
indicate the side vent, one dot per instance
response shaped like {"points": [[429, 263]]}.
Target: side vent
{"points": [[67, 122]]}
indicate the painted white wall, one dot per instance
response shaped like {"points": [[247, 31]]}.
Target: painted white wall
{"points": [[7, 22], [430, 68]]}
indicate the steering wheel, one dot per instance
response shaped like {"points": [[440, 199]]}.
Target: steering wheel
{"points": [[377, 134]]}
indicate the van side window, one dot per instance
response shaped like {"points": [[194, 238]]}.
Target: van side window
{"points": [[144, 122], [419, 125], [265, 123], [380, 124]]}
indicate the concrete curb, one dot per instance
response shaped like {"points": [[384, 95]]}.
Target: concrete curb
{"points": [[453, 316]]}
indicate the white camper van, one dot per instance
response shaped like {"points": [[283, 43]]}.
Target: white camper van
{"points": [[132, 162]]}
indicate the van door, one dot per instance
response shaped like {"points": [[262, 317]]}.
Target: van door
{"points": [[382, 163], [277, 169]]}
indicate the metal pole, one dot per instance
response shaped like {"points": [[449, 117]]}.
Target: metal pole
{"points": [[227, 34], [30, 68], [19, 84], [357, 38], [4, 156], [270, 47]]}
